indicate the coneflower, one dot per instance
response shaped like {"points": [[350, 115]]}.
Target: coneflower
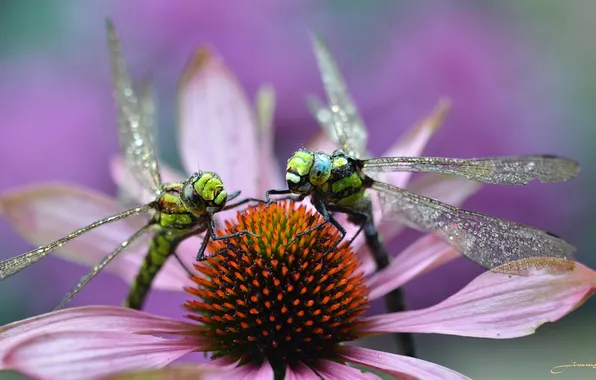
{"points": [[277, 307]]}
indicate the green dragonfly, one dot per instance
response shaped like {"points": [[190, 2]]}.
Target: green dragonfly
{"points": [[179, 210], [338, 182]]}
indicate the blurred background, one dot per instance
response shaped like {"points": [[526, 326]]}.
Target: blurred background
{"points": [[520, 74]]}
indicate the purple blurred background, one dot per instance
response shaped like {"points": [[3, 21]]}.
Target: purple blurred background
{"points": [[520, 76]]}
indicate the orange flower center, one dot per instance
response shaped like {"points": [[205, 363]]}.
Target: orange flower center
{"points": [[278, 297]]}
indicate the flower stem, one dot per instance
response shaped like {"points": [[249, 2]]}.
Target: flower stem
{"points": [[279, 373]]}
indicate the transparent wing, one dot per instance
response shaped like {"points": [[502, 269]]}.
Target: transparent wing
{"points": [[349, 127], [148, 112], [517, 170], [135, 119], [487, 240], [13, 265]]}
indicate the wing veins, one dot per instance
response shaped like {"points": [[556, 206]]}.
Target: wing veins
{"points": [[136, 118], [487, 240], [348, 125], [514, 170]]}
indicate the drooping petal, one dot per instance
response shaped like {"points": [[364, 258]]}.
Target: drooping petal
{"points": [[130, 188], [225, 362], [78, 355], [300, 372], [218, 130], [91, 319], [330, 370], [181, 372], [499, 305], [413, 142], [401, 367], [244, 372], [202, 372], [45, 213], [423, 255], [265, 372]]}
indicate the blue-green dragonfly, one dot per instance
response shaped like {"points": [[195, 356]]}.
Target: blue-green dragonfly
{"points": [[338, 182]]}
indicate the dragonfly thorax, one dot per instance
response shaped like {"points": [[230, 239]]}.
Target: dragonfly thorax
{"points": [[307, 169], [203, 192]]}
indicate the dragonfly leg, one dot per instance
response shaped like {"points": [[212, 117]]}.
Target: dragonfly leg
{"points": [[201, 253], [327, 218], [270, 192], [245, 200], [358, 218], [234, 195], [211, 235]]}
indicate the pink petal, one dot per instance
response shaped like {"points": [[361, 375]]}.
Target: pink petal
{"points": [[402, 367], [91, 319], [225, 363], [423, 255], [263, 373], [181, 372], [244, 372], [329, 370], [499, 305], [414, 141], [300, 372], [131, 188], [270, 175], [91, 355], [45, 213], [218, 130]]}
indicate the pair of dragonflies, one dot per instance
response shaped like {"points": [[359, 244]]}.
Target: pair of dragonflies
{"points": [[335, 182]]}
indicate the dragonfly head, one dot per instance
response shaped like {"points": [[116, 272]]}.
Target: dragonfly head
{"points": [[306, 169], [202, 192]]}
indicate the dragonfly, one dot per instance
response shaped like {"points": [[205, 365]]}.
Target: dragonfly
{"points": [[179, 210], [338, 182]]}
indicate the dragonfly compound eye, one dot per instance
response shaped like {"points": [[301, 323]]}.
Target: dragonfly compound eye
{"points": [[202, 190], [209, 187], [298, 169], [320, 170], [192, 200]]}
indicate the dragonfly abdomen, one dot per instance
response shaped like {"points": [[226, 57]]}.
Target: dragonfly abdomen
{"points": [[172, 224], [162, 245]]}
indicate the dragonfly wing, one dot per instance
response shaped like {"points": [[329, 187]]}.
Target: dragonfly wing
{"points": [[518, 170], [487, 240], [16, 264], [136, 119], [349, 127]]}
